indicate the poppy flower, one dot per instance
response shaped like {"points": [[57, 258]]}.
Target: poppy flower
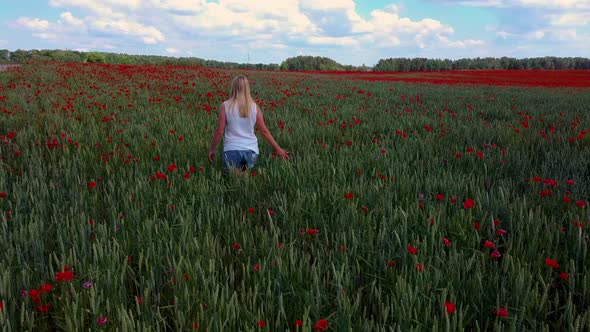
{"points": [[440, 197], [46, 288], [313, 231], [261, 323], [101, 320], [391, 263], [256, 267], [3, 194], [196, 326], [321, 325], [489, 244], [450, 306], [552, 263], [251, 210], [501, 232], [419, 267], [496, 254], [564, 276], [469, 204], [412, 250], [349, 196], [446, 242], [91, 184], [172, 168], [64, 276], [502, 312], [581, 204], [299, 323]]}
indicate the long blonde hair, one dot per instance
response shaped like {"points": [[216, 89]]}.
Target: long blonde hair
{"points": [[240, 94]]}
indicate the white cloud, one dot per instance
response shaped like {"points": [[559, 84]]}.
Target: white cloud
{"points": [[33, 23], [563, 4], [570, 19], [69, 19], [236, 27], [148, 34]]}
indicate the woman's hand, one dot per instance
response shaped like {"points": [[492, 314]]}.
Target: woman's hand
{"points": [[282, 153], [211, 155]]}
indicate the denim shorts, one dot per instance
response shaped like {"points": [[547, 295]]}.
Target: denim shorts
{"points": [[241, 159]]}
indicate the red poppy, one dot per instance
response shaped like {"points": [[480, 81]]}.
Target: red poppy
{"points": [[453, 200], [419, 267], [321, 325], [570, 182], [412, 250], [469, 204], [391, 263], [450, 306], [313, 231], [1, 306], [299, 323], [251, 210], [581, 203], [64, 276], [236, 246], [496, 254], [256, 267], [261, 323], [3, 194], [91, 184], [446, 242], [195, 326], [440, 197], [552, 263], [564, 276], [501, 232], [349, 195], [172, 168], [44, 308], [476, 226], [502, 312], [46, 288], [489, 244]]}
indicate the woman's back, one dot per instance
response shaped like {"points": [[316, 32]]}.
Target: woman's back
{"points": [[239, 132]]}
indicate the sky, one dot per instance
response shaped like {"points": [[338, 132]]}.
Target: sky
{"points": [[269, 31]]}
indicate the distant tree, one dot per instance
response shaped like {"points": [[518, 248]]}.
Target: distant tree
{"points": [[20, 56], [310, 63], [4, 55], [95, 57]]}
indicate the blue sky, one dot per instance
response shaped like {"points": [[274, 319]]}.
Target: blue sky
{"points": [[351, 32]]}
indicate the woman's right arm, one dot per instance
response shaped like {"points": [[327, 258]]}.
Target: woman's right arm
{"points": [[268, 136]]}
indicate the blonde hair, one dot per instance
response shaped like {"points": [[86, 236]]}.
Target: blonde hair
{"points": [[240, 94]]}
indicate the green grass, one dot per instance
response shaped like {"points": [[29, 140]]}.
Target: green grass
{"points": [[182, 262]]}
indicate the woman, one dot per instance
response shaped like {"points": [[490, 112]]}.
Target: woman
{"points": [[238, 117]]}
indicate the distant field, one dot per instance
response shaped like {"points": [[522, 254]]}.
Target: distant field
{"points": [[407, 205]]}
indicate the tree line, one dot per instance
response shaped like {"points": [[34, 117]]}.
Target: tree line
{"points": [[299, 63]]}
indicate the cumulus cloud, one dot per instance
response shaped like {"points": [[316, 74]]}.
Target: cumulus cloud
{"points": [[234, 26], [32, 23]]}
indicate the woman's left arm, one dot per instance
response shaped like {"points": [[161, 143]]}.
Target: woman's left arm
{"points": [[218, 131]]}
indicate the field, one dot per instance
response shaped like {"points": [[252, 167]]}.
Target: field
{"points": [[406, 206]]}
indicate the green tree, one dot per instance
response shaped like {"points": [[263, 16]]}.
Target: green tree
{"points": [[95, 57]]}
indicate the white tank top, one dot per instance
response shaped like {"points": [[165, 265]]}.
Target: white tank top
{"points": [[239, 132]]}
